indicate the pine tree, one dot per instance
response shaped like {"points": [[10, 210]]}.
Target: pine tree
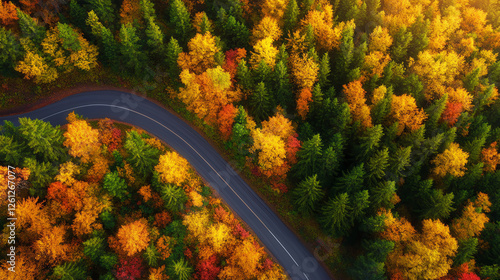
{"points": [[234, 32], [70, 270], [94, 248], [420, 40], [77, 14], [437, 205], [30, 28], [181, 269], [369, 142], [244, 76], [466, 250], [174, 197], [11, 152], [282, 87], [351, 181], [155, 39], [434, 112], [41, 174], [180, 20], [335, 215], [399, 48], [377, 164], [116, 186], [107, 42], [142, 156], [10, 51], [309, 157], [171, 54], [260, 102], [130, 48], [148, 10], [360, 202], [105, 10], [345, 57], [307, 194], [108, 261], [44, 140], [291, 16], [324, 71], [382, 195], [399, 161]]}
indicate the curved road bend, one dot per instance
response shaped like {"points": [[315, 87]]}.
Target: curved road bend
{"points": [[279, 240]]}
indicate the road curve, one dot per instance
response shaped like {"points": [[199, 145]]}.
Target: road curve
{"points": [[136, 110]]}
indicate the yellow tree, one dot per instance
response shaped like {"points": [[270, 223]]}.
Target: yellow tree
{"points": [[460, 95], [278, 125], [274, 8], [67, 171], [267, 27], [304, 70], [244, 261], [452, 161], [219, 237], [201, 55], [473, 218], [490, 157], [442, 27], [173, 168], [34, 66], [82, 140], [271, 149], [134, 237], [404, 110], [197, 224], [399, 13], [355, 97], [264, 50], [327, 37], [50, 247]]}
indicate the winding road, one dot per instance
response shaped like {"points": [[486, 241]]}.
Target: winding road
{"points": [[136, 110]]}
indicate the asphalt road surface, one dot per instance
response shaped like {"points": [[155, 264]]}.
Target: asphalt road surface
{"points": [[136, 110]]}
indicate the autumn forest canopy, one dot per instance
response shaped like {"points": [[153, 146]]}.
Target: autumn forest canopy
{"points": [[373, 124]]}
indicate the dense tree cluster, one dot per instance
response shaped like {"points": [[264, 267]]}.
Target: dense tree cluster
{"points": [[376, 120], [123, 224]]}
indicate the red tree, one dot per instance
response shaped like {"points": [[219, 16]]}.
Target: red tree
{"points": [[208, 269], [292, 147], [225, 119], [452, 112], [129, 269]]}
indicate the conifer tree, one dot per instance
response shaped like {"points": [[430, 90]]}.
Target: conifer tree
{"points": [[180, 20], [260, 102], [335, 214], [130, 48], [307, 194]]}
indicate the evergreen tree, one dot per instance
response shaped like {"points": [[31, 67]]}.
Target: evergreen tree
{"points": [[174, 197], [260, 102], [351, 181], [336, 215], [478, 133], [180, 20], [234, 32], [151, 256], [471, 80], [399, 162], [309, 158], [344, 57], [317, 99], [466, 251], [324, 71], [434, 112], [70, 270], [78, 15], [382, 108], [44, 140], [420, 39], [94, 248], [142, 156], [366, 268], [130, 48], [399, 48], [41, 174], [382, 195], [155, 39], [369, 142], [282, 86], [30, 28], [307, 194], [116, 186], [10, 51], [108, 220], [11, 152], [171, 54], [377, 164], [105, 10], [106, 39], [244, 76], [291, 16], [69, 37], [332, 158], [437, 205], [148, 10], [181, 270], [108, 261], [359, 204]]}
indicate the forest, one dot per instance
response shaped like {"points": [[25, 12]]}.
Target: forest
{"points": [[370, 124], [107, 201]]}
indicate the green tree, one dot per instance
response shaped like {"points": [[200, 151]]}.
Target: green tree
{"points": [[360, 202], [377, 164], [324, 71], [30, 28], [106, 40], [371, 266], [291, 16], [69, 37], [70, 270], [434, 113], [244, 76], [105, 10], [148, 10], [171, 54], [420, 39], [11, 152], [41, 174], [437, 205], [399, 162], [130, 48], [478, 133], [155, 40], [116, 186], [309, 157], [351, 181], [466, 251], [10, 51], [142, 156], [234, 32], [382, 194], [335, 215], [151, 256], [77, 15], [174, 197], [332, 158], [108, 219], [345, 57], [94, 248], [260, 102], [282, 86], [180, 20], [108, 261], [369, 142], [181, 269], [399, 48], [307, 194]]}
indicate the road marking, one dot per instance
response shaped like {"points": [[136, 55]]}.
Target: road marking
{"points": [[196, 151]]}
